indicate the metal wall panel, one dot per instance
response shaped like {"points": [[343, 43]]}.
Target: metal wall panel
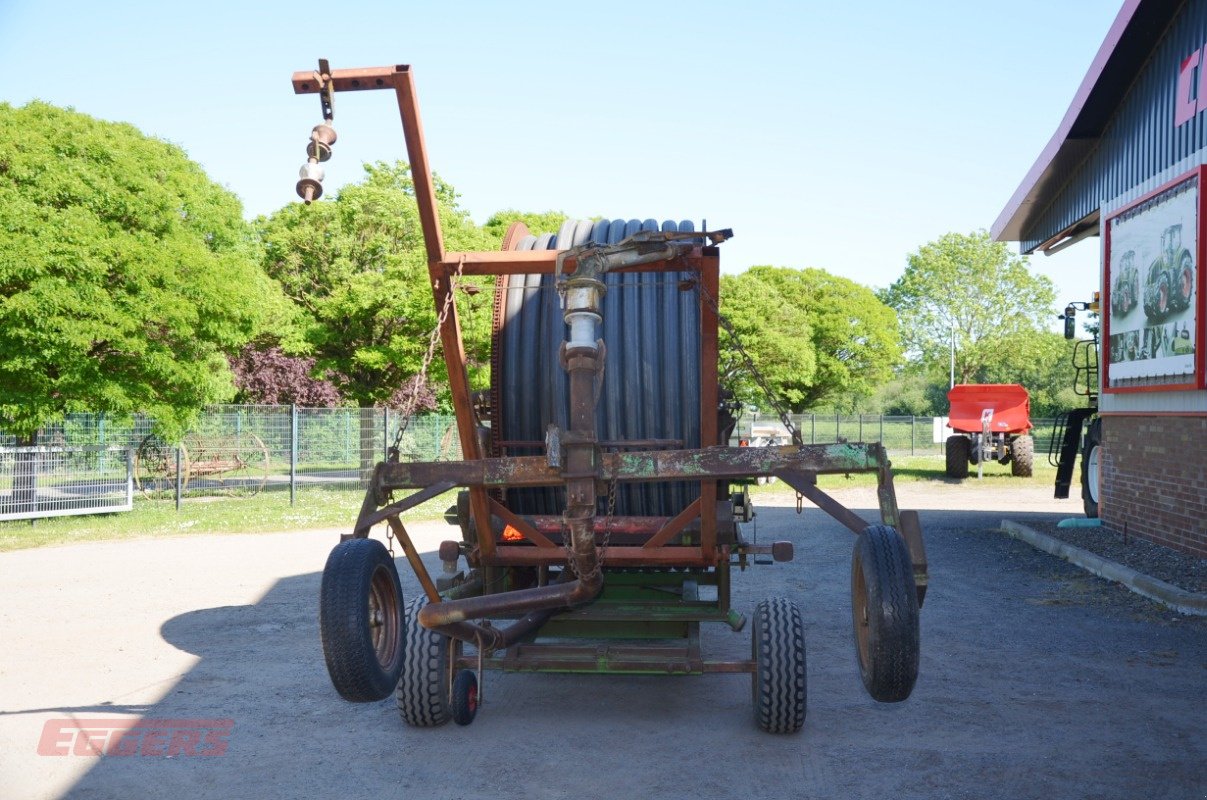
{"points": [[1140, 148]]}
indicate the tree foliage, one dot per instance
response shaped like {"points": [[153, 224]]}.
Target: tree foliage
{"points": [[356, 268], [125, 274], [969, 287], [270, 376], [818, 338], [547, 222]]}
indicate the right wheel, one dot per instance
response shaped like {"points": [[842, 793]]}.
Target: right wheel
{"points": [[1091, 460], [360, 614], [465, 697], [959, 452], [884, 610], [1022, 456], [423, 686], [778, 645]]}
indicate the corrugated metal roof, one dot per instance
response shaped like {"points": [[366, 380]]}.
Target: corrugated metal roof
{"points": [[1028, 217]]}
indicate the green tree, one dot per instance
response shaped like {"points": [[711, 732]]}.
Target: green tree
{"points": [[776, 335], [125, 274], [975, 290], [818, 338], [357, 270], [548, 222]]}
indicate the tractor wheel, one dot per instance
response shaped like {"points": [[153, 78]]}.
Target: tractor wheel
{"points": [[360, 620], [1184, 283], [1022, 456], [1163, 295], [959, 453], [465, 697], [1091, 459], [884, 609], [778, 644], [423, 690]]}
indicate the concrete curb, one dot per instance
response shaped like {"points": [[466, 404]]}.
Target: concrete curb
{"points": [[1180, 600]]}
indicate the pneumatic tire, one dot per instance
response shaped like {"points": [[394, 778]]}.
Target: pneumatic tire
{"points": [[360, 620], [1022, 456], [423, 686], [778, 644], [1091, 459], [959, 452], [465, 697], [884, 611]]}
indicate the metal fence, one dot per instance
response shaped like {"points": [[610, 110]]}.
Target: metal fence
{"points": [[90, 463], [57, 481], [901, 435]]}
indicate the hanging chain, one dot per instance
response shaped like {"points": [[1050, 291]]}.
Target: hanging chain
{"points": [[603, 548], [390, 539], [408, 406], [754, 371]]}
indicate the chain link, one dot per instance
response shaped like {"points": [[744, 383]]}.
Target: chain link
{"points": [[754, 371], [408, 407], [603, 548]]}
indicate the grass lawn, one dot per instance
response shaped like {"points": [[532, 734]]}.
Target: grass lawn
{"points": [[321, 508]]}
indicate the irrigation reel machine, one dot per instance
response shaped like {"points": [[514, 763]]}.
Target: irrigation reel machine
{"points": [[601, 509]]}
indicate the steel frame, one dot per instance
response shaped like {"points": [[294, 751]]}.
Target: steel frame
{"points": [[689, 540]]}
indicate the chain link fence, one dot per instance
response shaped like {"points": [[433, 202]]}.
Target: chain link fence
{"points": [[89, 463], [902, 436]]}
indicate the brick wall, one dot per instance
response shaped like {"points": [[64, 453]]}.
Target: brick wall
{"points": [[1154, 479]]}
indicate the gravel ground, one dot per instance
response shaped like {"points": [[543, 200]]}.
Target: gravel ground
{"points": [[1037, 680], [1182, 570]]}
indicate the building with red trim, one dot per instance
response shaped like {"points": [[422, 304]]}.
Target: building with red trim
{"points": [[1127, 165]]}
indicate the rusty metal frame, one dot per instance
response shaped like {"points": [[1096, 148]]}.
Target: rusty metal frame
{"points": [[670, 543]]}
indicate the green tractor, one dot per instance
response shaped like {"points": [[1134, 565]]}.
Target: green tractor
{"points": [[1170, 283], [1125, 292]]}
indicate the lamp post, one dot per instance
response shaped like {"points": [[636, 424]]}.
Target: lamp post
{"points": [[953, 354]]}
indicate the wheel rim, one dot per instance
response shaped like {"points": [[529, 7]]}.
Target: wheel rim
{"points": [[1092, 466], [384, 624], [1162, 298], [863, 633], [471, 699]]}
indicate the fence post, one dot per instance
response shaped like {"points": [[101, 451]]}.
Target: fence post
{"points": [[882, 431], [837, 427], [178, 477], [912, 421], [293, 453], [813, 428], [129, 477], [860, 439], [385, 434]]}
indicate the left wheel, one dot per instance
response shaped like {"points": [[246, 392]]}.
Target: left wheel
{"points": [[465, 697], [360, 620], [778, 643], [884, 610]]}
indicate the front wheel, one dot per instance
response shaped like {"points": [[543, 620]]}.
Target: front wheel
{"points": [[1091, 461], [423, 684], [1022, 456], [958, 452], [884, 610], [465, 697], [778, 644], [360, 620]]}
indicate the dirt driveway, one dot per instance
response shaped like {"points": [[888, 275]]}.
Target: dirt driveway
{"points": [[1036, 681]]}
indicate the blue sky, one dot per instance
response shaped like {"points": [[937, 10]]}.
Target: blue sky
{"points": [[826, 134]]}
